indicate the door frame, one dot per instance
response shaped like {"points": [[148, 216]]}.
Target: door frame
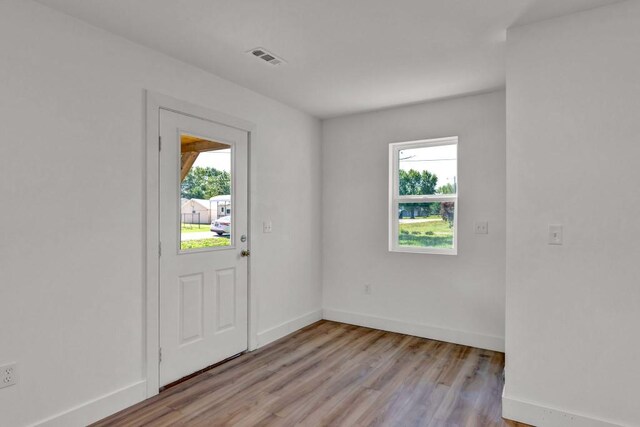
{"points": [[154, 103]]}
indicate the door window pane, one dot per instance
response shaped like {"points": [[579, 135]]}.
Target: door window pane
{"points": [[205, 193]]}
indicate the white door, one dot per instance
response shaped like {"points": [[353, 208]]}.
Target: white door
{"points": [[203, 275]]}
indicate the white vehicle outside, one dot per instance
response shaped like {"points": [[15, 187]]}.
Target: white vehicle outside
{"points": [[221, 225]]}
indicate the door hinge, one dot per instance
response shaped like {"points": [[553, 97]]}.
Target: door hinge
{"points": [[159, 143], [160, 354], [159, 248]]}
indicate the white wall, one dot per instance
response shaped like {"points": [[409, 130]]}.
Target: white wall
{"points": [[453, 298], [573, 152], [71, 285]]}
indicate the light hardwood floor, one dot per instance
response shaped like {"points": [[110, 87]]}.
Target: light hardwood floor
{"points": [[339, 375]]}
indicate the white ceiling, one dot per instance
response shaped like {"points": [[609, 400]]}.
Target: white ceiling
{"points": [[343, 56]]}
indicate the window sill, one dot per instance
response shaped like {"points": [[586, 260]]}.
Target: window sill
{"points": [[429, 251]]}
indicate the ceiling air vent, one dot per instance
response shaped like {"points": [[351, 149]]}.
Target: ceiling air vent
{"points": [[266, 56]]}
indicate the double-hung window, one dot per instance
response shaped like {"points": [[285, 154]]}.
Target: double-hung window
{"points": [[423, 196]]}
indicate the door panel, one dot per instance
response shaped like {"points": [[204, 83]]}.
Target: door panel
{"points": [[191, 308], [226, 298], [203, 277]]}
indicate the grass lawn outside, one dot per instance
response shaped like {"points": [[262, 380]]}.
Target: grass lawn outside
{"points": [[205, 243], [195, 228], [434, 233]]}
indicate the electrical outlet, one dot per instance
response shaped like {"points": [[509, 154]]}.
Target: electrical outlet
{"points": [[367, 289], [267, 226], [8, 375], [481, 227]]}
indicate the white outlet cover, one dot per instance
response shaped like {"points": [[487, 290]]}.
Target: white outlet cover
{"points": [[267, 226], [8, 375], [481, 227]]}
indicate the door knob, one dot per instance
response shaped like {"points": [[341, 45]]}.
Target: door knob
{"points": [[245, 252]]}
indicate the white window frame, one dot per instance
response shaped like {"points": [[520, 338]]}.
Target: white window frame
{"points": [[395, 198]]}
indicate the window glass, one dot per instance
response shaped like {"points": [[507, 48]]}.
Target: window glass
{"points": [[426, 225], [428, 170], [205, 193], [423, 196]]}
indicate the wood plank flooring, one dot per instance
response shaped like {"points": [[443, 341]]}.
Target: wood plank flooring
{"points": [[333, 374]]}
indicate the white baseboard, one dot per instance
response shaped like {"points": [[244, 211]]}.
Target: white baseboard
{"points": [[542, 416], [98, 408], [285, 328], [488, 342]]}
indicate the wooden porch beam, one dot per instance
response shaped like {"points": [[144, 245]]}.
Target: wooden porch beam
{"points": [[186, 161], [201, 146]]}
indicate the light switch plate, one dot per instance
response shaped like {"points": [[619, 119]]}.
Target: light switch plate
{"points": [[555, 234], [267, 226], [481, 227]]}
